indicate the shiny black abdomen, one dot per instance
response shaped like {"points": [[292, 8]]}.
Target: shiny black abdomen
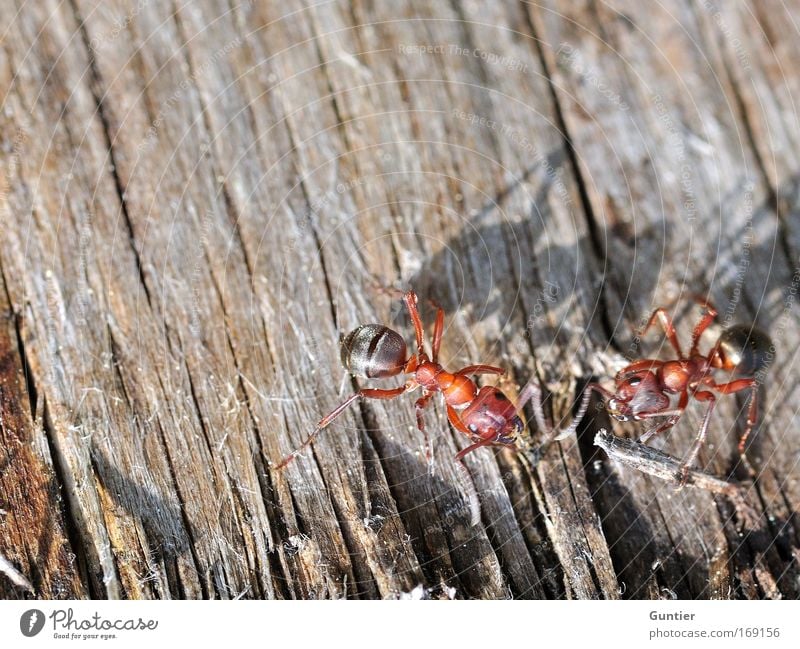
{"points": [[745, 350], [373, 351]]}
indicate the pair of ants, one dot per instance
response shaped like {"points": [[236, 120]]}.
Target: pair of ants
{"points": [[644, 389]]}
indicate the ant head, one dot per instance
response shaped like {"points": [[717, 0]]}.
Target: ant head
{"points": [[635, 393], [514, 428], [491, 414]]}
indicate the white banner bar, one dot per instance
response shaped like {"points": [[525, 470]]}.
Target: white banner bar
{"points": [[399, 624]]}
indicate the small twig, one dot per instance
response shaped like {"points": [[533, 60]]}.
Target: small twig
{"points": [[657, 463], [661, 465], [15, 575]]}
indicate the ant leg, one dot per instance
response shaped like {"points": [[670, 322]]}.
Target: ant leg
{"points": [[638, 366], [752, 417], [752, 412], [438, 328], [394, 293], [419, 406], [606, 394], [455, 420], [466, 478], [701, 435], [481, 369], [368, 393], [703, 302], [674, 416], [469, 485], [474, 447], [410, 298], [702, 325], [533, 392], [733, 386], [669, 329], [576, 420]]}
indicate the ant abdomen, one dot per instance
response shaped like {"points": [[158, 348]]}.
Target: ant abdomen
{"points": [[745, 350], [373, 351]]}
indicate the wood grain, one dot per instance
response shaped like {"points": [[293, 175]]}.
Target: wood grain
{"points": [[199, 198]]}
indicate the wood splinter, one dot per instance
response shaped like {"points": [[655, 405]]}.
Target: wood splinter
{"points": [[661, 465], [14, 575]]}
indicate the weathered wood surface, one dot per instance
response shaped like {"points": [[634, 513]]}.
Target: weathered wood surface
{"points": [[198, 198]]}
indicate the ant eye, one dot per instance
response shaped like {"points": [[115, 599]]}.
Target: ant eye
{"points": [[634, 380], [473, 428]]}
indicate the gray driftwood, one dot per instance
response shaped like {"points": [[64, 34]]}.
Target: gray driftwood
{"points": [[198, 198]]}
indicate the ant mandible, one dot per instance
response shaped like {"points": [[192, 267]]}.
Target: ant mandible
{"points": [[486, 415], [642, 389]]}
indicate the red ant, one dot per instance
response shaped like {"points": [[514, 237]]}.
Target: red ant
{"points": [[486, 415], [642, 389]]}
